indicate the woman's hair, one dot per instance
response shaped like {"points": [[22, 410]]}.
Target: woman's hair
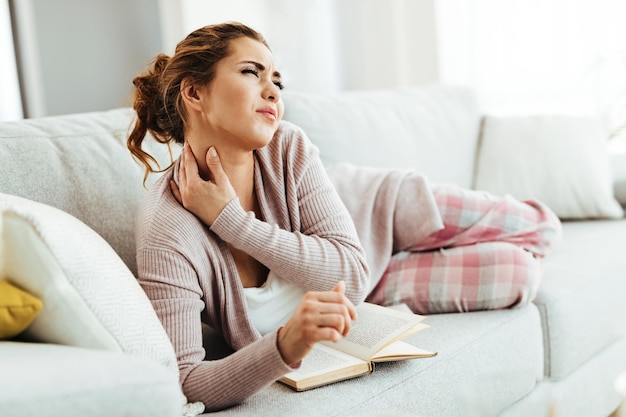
{"points": [[158, 102]]}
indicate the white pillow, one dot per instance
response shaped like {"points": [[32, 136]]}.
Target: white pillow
{"points": [[559, 160], [90, 297], [618, 165]]}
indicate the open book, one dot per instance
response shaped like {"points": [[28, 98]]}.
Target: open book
{"points": [[374, 337]]}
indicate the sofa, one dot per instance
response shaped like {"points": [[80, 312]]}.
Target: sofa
{"points": [[69, 192]]}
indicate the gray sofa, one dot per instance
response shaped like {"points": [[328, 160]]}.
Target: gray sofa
{"points": [[561, 352]]}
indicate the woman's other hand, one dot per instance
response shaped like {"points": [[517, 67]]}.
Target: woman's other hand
{"points": [[205, 199], [320, 316]]}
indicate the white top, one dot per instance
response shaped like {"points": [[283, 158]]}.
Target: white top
{"points": [[271, 304]]}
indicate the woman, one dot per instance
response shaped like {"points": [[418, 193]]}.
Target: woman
{"points": [[247, 233]]}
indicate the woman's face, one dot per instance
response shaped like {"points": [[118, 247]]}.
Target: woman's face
{"points": [[242, 107]]}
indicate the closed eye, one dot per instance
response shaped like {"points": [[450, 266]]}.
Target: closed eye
{"points": [[250, 71], [256, 72]]}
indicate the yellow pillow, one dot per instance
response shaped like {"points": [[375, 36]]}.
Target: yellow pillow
{"points": [[17, 310]]}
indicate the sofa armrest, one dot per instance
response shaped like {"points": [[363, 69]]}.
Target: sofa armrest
{"points": [[56, 380]]}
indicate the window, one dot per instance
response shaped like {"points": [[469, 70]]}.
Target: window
{"points": [[10, 100]]}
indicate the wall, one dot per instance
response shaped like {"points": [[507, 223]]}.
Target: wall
{"points": [[78, 56]]}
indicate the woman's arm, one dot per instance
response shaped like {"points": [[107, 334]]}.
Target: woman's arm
{"points": [[172, 285], [323, 249]]}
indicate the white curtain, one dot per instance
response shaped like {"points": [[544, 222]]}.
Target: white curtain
{"points": [[10, 101]]}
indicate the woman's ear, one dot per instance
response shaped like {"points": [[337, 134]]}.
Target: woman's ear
{"points": [[190, 95]]}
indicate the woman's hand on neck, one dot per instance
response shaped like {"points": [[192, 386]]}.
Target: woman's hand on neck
{"points": [[237, 164]]}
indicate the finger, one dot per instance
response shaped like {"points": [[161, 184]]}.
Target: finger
{"points": [[336, 315], [176, 191], [338, 321], [340, 324], [346, 320], [340, 288], [182, 173], [326, 328], [333, 296], [329, 333], [315, 313], [351, 309], [190, 165], [215, 166]]}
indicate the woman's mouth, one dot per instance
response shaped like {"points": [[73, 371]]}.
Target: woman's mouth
{"points": [[268, 112]]}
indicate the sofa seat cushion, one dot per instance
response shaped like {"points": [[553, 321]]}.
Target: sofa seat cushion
{"points": [[54, 380], [587, 392], [584, 284], [499, 352], [394, 128]]}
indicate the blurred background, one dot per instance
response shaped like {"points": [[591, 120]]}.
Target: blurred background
{"points": [[521, 56]]}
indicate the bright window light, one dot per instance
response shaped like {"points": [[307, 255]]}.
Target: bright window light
{"points": [[10, 101]]}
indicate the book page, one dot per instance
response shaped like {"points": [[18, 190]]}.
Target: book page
{"points": [[324, 365], [401, 350], [322, 359], [374, 328]]}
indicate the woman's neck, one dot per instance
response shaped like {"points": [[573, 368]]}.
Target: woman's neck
{"points": [[241, 177], [238, 166]]}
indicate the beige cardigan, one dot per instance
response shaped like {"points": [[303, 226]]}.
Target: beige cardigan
{"points": [[306, 235]]}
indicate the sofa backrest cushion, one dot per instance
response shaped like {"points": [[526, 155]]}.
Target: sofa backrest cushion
{"points": [[432, 129], [80, 164]]}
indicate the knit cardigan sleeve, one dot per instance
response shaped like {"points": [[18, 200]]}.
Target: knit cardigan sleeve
{"points": [[315, 243], [173, 257]]}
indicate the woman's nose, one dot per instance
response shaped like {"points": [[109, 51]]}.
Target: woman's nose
{"points": [[272, 92]]}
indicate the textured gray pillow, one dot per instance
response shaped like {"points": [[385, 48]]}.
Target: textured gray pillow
{"points": [[79, 164]]}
